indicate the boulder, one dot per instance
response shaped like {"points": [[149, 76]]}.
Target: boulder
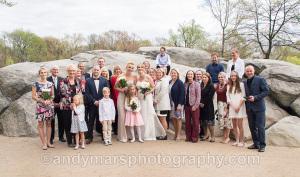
{"points": [[19, 118], [284, 83], [285, 132], [296, 106], [4, 102], [17, 79], [180, 55], [262, 64], [273, 112]]}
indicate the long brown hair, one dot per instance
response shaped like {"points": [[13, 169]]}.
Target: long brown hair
{"points": [[237, 83]]}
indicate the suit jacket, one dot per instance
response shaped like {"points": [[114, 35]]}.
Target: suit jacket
{"points": [[86, 75], [259, 89], [90, 91], [194, 93], [177, 93], [56, 88]]}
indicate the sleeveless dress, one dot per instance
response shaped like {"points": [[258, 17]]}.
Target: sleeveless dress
{"points": [[133, 118], [122, 132], [43, 112], [152, 126]]}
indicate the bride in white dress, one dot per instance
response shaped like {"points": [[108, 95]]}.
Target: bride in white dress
{"points": [[152, 127]]}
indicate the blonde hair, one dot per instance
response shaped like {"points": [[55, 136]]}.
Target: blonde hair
{"points": [[80, 98], [115, 68], [42, 68], [128, 94], [71, 67], [105, 70], [105, 89], [161, 70], [129, 63]]}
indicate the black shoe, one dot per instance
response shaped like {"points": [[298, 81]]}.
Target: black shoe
{"points": [[51, 141], [62, 140], [162, 138], [71, 145], [253, 147], [89, 141], [261, 149]]}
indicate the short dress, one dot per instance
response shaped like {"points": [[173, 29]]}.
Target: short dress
{"points": [[234, 99], [78, 121], [133, 118], [174, 113], [43, 112]]}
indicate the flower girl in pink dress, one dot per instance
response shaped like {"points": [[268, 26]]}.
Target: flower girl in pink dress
{"points": [[133, 117]]}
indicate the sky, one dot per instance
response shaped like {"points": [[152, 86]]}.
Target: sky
{"points": [[146, 18]]}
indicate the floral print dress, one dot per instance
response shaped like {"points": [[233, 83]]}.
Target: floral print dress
{"points": [[44, 112]]}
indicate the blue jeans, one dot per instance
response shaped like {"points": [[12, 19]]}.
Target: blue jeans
{"points": [[257, 121]]}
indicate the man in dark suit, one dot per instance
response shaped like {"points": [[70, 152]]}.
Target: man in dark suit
{"points": [[93, 94], [256, 89], [55, 79], [84, 74]]}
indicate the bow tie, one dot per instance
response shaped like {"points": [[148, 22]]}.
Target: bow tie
{"points": [[96, 79]]}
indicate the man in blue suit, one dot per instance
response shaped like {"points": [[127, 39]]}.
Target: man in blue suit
{"points": [[256, 89], [93, 93]]}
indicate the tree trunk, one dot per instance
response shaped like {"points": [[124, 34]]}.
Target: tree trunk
{"points": [[223, 42]]}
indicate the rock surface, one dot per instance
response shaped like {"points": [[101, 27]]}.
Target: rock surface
{"points": [[284, 83], [180, 55], [19, 118], [285, 132]]}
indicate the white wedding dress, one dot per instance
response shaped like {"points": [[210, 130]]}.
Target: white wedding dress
{"points": [[152, 127]]}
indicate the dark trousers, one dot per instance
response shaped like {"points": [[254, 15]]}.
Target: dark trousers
{"points": [[86, 118], [168, 69], [60, 123], [191, 123], [93, 118], [257, 121], [67, 116], [115, 124]]}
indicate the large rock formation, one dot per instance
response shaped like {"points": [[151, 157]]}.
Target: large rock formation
{"points": [[285, 132], [17, 110], [16, 83], [19, 118], [180, 55], [284, 83]]}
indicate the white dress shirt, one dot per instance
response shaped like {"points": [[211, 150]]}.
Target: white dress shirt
{"points": [[239, 67], [163, 60], [97, 85], [106, 109], [54, 81]]}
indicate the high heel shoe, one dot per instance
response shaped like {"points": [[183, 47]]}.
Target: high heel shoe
{"points": [[50, 146], [141, 141], [133, 140], [44, 147]]}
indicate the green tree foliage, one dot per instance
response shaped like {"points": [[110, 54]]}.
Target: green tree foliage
{"points": [[27, 46], [190, 35]]}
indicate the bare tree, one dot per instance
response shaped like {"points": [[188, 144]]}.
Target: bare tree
{"points": [[272, 23], [7, 3], [227, 13]]}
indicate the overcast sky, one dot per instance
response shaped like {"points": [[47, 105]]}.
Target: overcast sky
{"points": [[146, 18]]}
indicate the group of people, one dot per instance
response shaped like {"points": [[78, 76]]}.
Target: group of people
{"points": [[136, 104]]}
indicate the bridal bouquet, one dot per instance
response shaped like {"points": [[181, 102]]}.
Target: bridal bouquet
{"points": [[144, 87], [122, 83], [133, 105]]}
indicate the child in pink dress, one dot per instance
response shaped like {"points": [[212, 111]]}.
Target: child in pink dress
{"points": [[133, 117]]}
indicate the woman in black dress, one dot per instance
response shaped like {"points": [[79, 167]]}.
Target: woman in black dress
{"points": [[207, 107]]}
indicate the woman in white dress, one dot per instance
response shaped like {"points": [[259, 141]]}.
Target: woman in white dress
{"points": [[237, 109], [130, 79], [152, 125]]}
